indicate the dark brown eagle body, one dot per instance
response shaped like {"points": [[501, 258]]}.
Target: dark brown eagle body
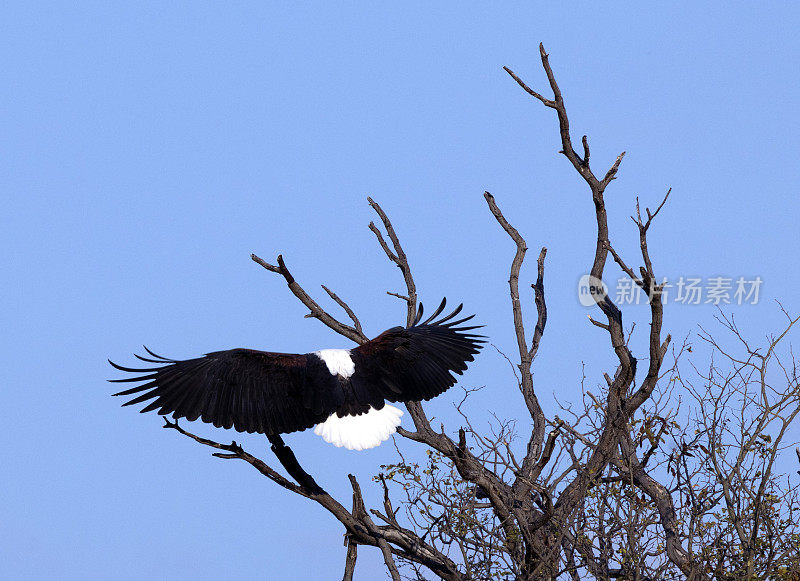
{"points": [[341, 391]]}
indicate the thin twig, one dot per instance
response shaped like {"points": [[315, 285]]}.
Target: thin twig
{"points": [[316, 311], [346, 309]]}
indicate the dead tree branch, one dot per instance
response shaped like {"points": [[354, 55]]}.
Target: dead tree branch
{"points": [[360, 528], [315, 311]]}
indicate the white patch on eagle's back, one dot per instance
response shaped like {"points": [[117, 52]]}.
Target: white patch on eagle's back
{"points": [[360, 432], [338, 361]]}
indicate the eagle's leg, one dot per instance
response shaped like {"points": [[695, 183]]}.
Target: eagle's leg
{"points": [[288, 460]]}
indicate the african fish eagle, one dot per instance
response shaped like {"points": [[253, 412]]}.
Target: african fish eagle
{"points": [[341, 391]]}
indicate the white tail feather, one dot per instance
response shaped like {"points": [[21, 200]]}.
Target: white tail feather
{"points": [[360, 432]]}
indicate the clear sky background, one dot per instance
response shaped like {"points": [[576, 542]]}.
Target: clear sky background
{"points": [[147, 148]]}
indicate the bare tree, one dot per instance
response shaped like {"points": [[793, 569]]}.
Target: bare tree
{"points": [[615, 486]]}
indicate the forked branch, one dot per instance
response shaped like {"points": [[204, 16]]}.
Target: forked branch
{"points": [[361, 530], [316, 311]]}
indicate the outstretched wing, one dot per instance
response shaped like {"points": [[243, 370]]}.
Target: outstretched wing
{"points": [[252, 391], [415, 363]]}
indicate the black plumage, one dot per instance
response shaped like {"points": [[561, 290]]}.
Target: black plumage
{"points": [[275, 393]]}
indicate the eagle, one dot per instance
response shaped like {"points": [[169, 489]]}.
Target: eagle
{"points": [[343, 392]]}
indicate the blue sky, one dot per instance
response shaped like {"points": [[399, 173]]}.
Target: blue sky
{"points": [[146, 149]]}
